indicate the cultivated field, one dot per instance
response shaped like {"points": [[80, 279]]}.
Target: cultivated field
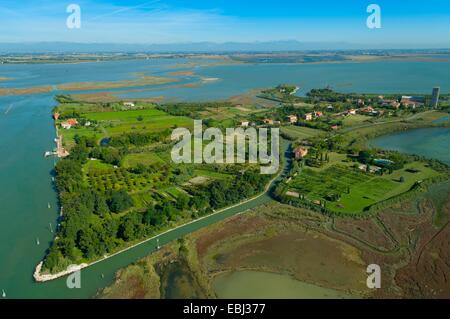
{"points": [[355, 189]]}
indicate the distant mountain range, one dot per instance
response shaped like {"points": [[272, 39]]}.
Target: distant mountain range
{"points": [[71, 47]]}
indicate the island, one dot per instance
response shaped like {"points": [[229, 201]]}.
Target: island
{"points": [[118, 186]]}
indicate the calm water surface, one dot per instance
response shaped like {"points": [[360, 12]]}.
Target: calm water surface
{"points": [[264, 285], [428, 142]]}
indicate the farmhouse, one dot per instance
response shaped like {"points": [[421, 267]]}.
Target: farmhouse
{"points": [[411, 101], [318, 114], [69, 123], [268, 121], [372, 169], [292, 119], [308, 117], [66, 125], [245, 123], [300, 152], [368, 109], [351, 112], [128, 104]]}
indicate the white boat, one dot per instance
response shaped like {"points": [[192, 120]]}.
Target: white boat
{"points": [[51, 228], [48, 205], [3, 293], [37, 241]]}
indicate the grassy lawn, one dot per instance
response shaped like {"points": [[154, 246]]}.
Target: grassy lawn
{"points": [[357, 189], [356, 119], [69, 135], [141, 158], [124, 116], [97, 166], [115, 123], [409, 177], [300, 132]]}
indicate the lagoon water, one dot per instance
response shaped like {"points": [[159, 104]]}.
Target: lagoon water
{"points": [[428, 142], [247, 284], [27, 131]]}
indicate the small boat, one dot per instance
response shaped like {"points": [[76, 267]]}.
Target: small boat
{"points": [[48, 205], [3, 293], [37, 241], [53, 179], [51, 228], [103, 276]]}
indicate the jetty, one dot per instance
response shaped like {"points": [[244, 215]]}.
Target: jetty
{"points": [[60, 150]]}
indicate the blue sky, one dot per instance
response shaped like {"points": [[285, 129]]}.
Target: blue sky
{"points": [[173, 21]]}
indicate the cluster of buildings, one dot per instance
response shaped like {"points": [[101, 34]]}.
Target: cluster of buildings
{"points": [[312, 116], [411, 101], [68, 124], [128, 104], [371, 168], [390, 103]]}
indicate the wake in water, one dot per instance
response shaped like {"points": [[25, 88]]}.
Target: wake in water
{"points": [[8, 109]]}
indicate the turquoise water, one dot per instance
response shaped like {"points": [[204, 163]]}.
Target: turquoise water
{"points": [[375, 77], [428, 142], [27, 131]]}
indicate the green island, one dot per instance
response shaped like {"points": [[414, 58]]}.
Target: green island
{"points": [[118, 186]]}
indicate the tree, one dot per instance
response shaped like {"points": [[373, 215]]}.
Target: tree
{"points": [[119, 201]]}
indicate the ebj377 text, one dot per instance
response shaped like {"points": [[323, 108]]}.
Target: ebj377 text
{"points": [[238, 309]]}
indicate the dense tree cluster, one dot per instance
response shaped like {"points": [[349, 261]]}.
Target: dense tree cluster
{"points": [[138, 139]]}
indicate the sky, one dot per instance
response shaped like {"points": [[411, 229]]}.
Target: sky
{"points": [[425, 23]]}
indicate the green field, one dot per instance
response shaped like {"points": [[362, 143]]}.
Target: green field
{"points": [[356, 119], [146, 158], [300, 132], [357, 190], [112, 123]]}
